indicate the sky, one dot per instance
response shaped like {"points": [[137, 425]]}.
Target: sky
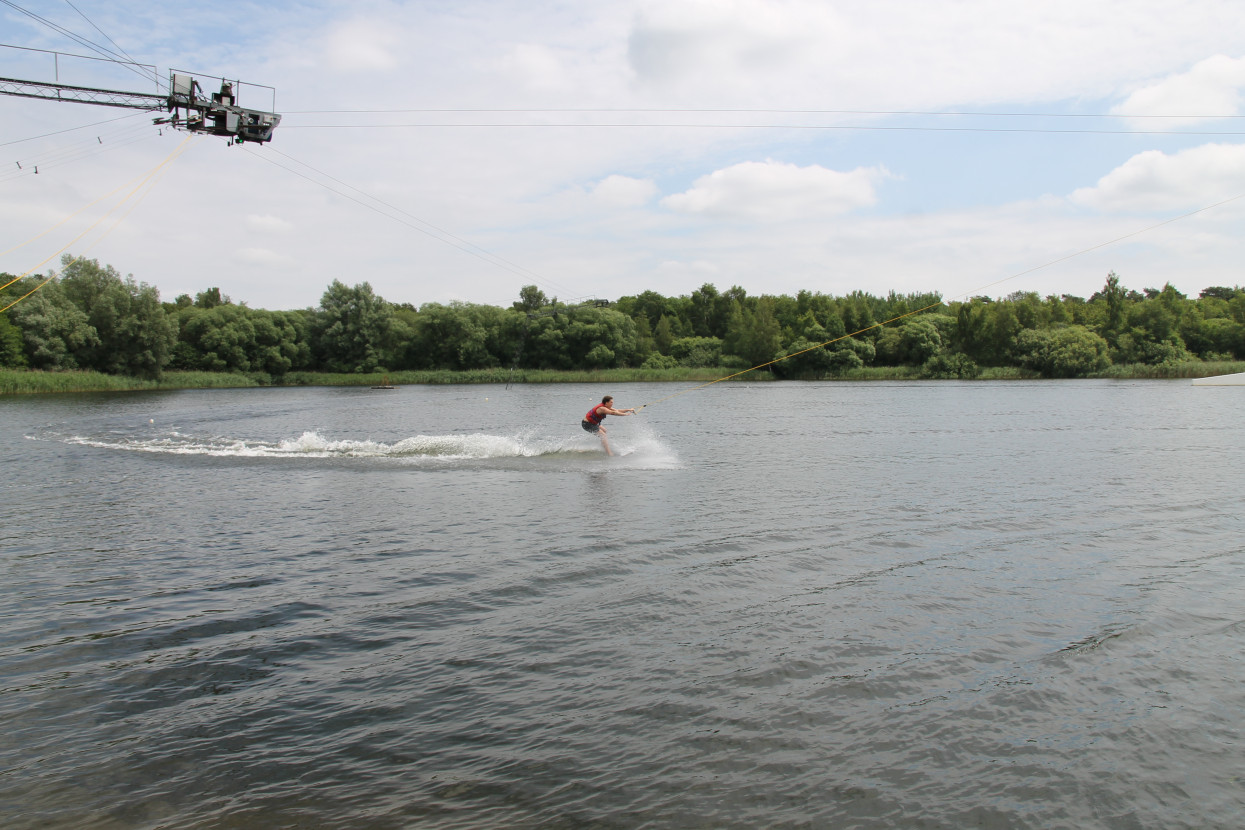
{"points": [[457, 151]]}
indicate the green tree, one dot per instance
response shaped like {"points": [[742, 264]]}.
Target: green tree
{"points": [[234, 338], [657, 360], [697, 352], [971, 334], [984, 329], [1218, 338], [1237, 307], [753, 334], [919, 340], [136, 336], [1058, 312], [531, 299], [281, 341], [1078, 311], [12, 355], [1070, 352], [54, 330], [1151, 335], [808, 358], [599, 338], [704, 312], [1221, 292], [1030, 311], [211, 298], [1003, 326], [221, 338], [463, 336], [654, 306], [645, 344], [599, 356], [663, 335], [889, 352], [125, 331], [1117, 309], [808, 354], [356, 330], [950, 366], [857, 313], [546, 345]]}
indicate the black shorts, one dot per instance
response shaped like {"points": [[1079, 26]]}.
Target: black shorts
{"points": [[590, 427]]}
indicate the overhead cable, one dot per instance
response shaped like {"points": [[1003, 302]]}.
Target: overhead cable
{"points": [[424, 227], [747, 111], [147, 181], [101, 31], [691, 125], [107, 53], [71, 129]]}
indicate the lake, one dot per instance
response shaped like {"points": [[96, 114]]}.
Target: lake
{"points": [[829, 605]]}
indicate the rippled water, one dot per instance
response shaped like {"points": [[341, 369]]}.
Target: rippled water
{"points": [[817, 605]]}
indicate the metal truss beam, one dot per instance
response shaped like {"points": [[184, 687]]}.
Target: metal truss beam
{"points": [[83, 95]]}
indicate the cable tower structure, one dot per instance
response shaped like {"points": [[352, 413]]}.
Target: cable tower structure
{"points": [[186, 105]]}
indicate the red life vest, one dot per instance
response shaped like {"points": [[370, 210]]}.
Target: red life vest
{"points": [[592, 417]]}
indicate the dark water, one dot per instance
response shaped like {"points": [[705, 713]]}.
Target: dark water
{"points": [[938, 605]]}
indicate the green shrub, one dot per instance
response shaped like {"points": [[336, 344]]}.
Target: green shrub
{"points": [[955, 365]]}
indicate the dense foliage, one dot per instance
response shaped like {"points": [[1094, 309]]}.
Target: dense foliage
{"points": [[89, 317]]}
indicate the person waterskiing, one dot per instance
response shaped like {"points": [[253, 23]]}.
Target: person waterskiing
{"points": [[592, 421]]}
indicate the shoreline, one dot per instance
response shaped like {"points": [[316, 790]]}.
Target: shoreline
{"points": [[35, 382]]}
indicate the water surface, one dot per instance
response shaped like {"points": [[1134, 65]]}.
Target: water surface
{"points": [[789, 605]]}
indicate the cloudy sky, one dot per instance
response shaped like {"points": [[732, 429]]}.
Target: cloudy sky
{"points": [[459, 149]]}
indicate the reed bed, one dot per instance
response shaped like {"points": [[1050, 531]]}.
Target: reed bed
{"points": [[28, 382], [1188, 369], [443, 376]]}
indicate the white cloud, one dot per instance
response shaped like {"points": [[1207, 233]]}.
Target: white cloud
{"points": [[624, 191], [899, 54], [263, 257], [698, 40], [678, 276], [772, 191], [536, 67], [1155, 180], [268, 224], [362, 46], [1212, 87]]}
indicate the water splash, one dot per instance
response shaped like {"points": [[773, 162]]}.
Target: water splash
{"points": [[644, 449]]}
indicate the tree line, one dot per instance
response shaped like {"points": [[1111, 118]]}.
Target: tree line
{"points": [[90, 317]]}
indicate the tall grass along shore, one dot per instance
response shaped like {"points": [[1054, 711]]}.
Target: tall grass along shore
{"points": [[29, 382]]}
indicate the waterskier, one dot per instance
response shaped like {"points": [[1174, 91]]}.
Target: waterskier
{"points": [[592, 421]]}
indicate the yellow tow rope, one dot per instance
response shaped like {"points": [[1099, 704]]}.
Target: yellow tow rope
{"points": [[142, 181]]}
